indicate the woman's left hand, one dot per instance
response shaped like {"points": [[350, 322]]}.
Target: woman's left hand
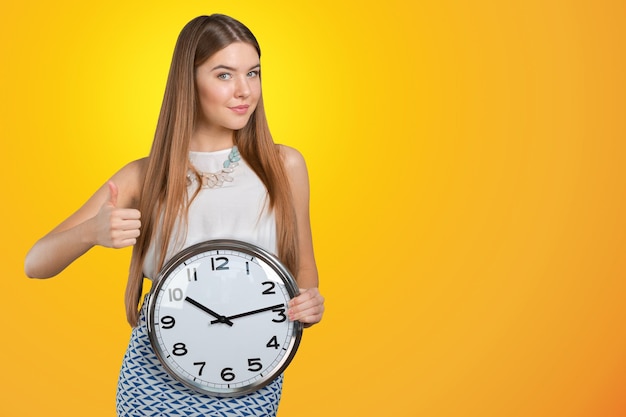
{"points": [[308, 307]]}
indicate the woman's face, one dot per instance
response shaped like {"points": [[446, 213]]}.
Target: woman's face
{"points": [[229, 88]]}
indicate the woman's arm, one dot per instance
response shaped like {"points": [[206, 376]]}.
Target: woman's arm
{"points": [[109, 218], [308, 307]]}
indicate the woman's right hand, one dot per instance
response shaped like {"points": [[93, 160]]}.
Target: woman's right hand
{"points": [[116, 227], [109, 218]]}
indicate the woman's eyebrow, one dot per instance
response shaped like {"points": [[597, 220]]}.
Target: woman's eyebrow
{"points": [[226, 67]]}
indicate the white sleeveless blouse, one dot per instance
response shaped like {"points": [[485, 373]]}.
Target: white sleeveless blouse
{"points": [[236, 210]]}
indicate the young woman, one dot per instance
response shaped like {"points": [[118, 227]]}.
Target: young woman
{"points": [[184, 193]]}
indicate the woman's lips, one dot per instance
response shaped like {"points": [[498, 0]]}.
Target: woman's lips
{"points": [[240, 109]]}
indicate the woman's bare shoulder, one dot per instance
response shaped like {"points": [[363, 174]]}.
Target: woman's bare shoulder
{"points": [[292, 158], [135, 168], [129, 179]]}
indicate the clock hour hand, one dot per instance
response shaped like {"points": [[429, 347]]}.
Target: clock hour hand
{"points": [[248, 313], [220, 318]]}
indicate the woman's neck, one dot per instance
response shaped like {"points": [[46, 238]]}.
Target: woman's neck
{"points": [[210, 141]]}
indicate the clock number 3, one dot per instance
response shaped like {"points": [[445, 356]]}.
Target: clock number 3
{"points": [[281, 314]]}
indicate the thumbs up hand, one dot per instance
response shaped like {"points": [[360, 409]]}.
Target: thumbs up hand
{"points": [[116, 227]]}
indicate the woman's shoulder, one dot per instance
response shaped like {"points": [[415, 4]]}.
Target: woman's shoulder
{"points": [[136, 167], [133, 172], [295, 167], [129, 180], [292, 158]]}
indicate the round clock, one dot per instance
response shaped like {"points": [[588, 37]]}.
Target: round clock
{"points": [[217, 317]]}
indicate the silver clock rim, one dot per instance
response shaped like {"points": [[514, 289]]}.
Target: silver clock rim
{"points": [[251, 250]]}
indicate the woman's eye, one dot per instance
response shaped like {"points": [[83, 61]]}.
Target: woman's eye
{"points": [[224, 76], [253, 74]]}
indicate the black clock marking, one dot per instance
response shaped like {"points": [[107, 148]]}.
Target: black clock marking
{"points": [[180, 349], [228, 375], [168, 322], [254, 365], [273, 343], [270, 287], [281, 314], [201, 365], [220, 267]]}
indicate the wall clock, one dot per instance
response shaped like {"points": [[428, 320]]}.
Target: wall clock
{"points": [[217, 317]]}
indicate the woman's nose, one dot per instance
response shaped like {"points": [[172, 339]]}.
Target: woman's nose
{"points": [[242, 88]]}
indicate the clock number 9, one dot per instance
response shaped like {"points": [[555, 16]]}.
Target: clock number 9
{"points": [[168, 322]]}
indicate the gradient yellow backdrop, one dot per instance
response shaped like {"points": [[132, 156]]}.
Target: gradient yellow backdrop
{"points": [[467, 172]]}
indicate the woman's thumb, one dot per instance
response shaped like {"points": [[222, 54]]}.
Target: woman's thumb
{"points": [[112, 194]]}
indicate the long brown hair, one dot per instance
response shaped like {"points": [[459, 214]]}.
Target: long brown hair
{"points": [[164, 197]]}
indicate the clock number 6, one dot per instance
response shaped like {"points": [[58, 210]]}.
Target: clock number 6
{"points": [[227, 374]]}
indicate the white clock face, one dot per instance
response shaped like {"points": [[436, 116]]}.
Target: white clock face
{"points": [[218, 319]]}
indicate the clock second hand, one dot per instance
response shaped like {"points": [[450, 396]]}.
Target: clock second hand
{"points": [[248, 313], [220, 318]]}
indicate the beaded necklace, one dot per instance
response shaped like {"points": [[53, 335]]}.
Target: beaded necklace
{"points": [[217, 179]]}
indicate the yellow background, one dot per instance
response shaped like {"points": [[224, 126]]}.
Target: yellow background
{"points": [[468, 179]]}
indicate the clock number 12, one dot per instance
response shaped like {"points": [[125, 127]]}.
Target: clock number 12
{"points": [[221, 266]]}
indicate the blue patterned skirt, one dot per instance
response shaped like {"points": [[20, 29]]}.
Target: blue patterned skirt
{"points": [[145, 389]]}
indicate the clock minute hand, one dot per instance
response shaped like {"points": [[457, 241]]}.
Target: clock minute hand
{"points": [[220, 318], [249, 313]]}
